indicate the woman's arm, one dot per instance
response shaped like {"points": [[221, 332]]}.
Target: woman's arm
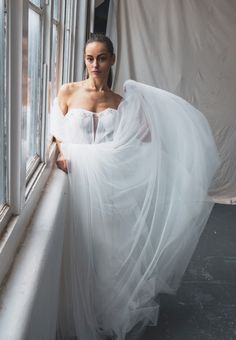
{"points": [[63, 95]]}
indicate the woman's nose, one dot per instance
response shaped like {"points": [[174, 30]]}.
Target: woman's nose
{"points": [[95, 63]]}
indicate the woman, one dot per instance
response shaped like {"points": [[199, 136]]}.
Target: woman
{"points": [[139, 170], [93, 94]]}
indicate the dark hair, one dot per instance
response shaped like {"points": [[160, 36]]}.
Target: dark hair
{"points": [[99, 37]]}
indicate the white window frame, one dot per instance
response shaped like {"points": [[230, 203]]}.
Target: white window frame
{"points": [[24, 192], [4, 209], [23, 199], [70, 29]]}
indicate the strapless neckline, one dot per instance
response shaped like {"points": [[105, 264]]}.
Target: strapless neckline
{"points": [[92, 113]]}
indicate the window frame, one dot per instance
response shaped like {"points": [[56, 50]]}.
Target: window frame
{"points": [[70, 29], [4, 208], [32, 165], [24, 193]]}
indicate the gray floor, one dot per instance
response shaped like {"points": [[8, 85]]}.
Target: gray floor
{"points": [[205, 305]]}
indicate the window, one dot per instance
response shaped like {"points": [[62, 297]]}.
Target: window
{"points": [[43, 34], [3, 121], [69, 41], [55, 57], [34, 106], [36, 2]]}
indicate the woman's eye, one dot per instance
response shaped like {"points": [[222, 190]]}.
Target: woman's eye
{"points": [[102, 59]]}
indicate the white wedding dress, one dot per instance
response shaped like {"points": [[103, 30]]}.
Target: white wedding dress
{"points": [[138, 202]]}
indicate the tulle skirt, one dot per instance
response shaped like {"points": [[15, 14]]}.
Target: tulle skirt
{"points": [[137, 207]]}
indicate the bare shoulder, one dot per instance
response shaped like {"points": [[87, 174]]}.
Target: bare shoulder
{"points": [[117, 98], [65, 93]]}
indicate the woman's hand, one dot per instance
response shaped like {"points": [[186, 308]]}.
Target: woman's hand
{"points": [[61, 161], [62, 164]]}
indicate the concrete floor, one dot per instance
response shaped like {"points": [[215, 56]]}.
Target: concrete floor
{"points": [[205, 305]]}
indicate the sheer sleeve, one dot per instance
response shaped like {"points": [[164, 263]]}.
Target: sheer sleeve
{"points": [[174, 128], [57, 121]]}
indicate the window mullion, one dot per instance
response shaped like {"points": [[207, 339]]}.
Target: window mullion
{"points": [[61, 42], [44, 112], [80, 38], [18, 28], [36, 9], [47, 39], [73, 30]]}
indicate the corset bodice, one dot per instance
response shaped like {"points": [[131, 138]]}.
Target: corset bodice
{"points": [[86, 127]]}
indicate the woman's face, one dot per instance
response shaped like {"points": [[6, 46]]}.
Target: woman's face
{"points": [[98, 60]]}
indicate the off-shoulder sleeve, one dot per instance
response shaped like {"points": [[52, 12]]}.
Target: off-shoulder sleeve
{"points": [[57, 121]]}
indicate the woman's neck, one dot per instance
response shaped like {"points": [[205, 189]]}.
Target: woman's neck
{"points": [[99, 85]]}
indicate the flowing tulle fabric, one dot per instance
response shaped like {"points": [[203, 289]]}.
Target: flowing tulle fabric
{"points": [[138, 204]]}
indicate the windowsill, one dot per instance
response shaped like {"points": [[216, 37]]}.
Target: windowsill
{"points": [[14, 226], [32, 285]]}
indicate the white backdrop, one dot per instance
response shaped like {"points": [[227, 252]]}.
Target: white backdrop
{"points": [[187, 47]]}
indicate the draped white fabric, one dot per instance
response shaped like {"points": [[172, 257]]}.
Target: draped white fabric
{"points": [[138, 204], [188, 48]]}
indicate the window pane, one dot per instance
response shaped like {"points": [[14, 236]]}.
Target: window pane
{"points": [[34, 87], [3, 124], [67, 43], [36, 2], [54, 60], [56, 9]]}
